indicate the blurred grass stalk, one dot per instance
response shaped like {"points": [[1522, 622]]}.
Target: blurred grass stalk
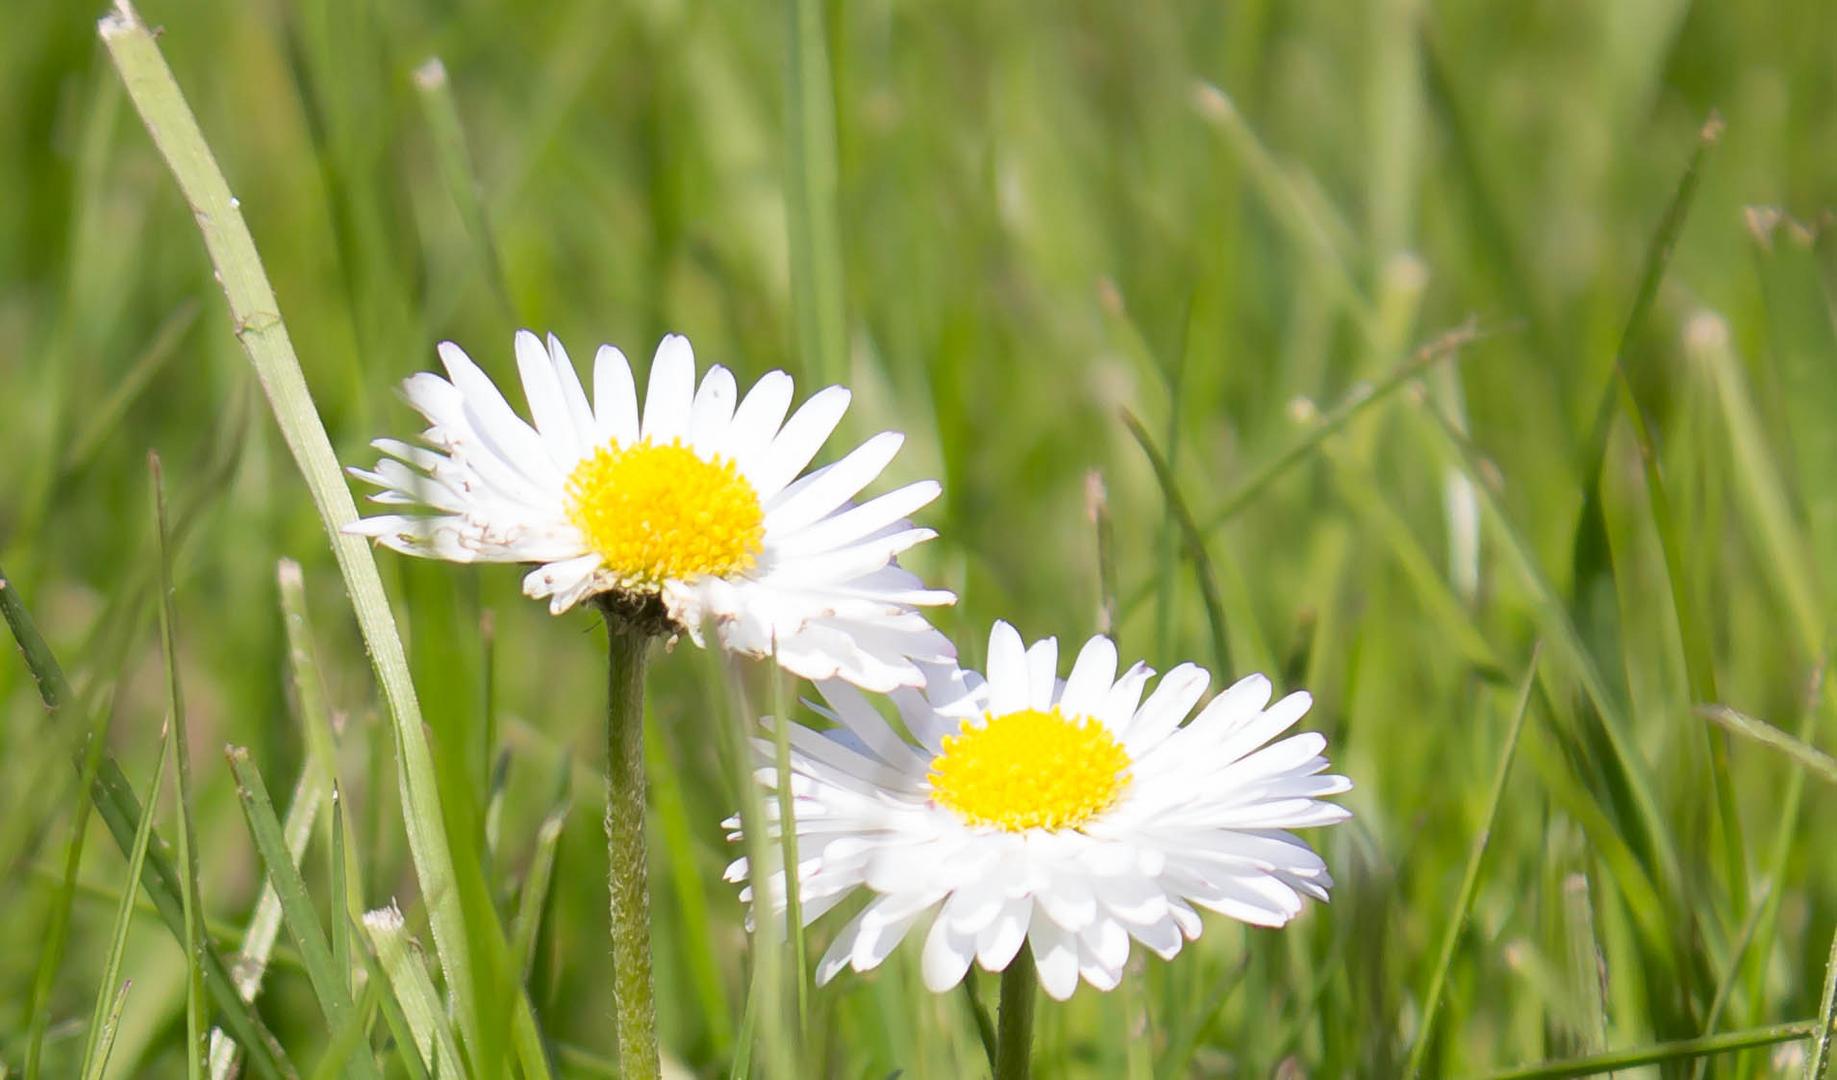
{"points": [[256, 316]]}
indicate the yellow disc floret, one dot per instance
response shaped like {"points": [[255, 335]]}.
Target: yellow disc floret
{"points": [[1029, 770], [658, 512]]}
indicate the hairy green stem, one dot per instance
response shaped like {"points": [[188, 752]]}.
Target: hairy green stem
{"points": [[626, 879], [1014, 1027]]}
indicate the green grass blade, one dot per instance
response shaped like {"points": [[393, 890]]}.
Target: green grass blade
{"points": [[101, 1027], [1192, 539], [108, 1024], [1816, 1064], [256, 316], [329, 984], [811, 192], [395, 1019], [787, 848], [1813, 760], [413, 989], [348, 1039], [1725, 986], [1560, 632], [121, 811], [1470, 878], [456, 171], [1678, 1050], [1693, 631], [265, 925], [191, 901], [105, 419], [696, 922], [1586, 971], [341, 926]]}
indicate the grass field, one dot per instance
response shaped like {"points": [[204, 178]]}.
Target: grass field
{"points": [[1485, 367]]}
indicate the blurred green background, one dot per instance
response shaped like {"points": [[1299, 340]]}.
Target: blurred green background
{"points": [[1230, 219]]}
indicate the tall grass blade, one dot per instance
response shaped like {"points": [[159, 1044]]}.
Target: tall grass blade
{"points": [[1587, 972], [191, 901], [456, 171], [1470, 878], [455, 919], [696, 923], [1757, 913]]}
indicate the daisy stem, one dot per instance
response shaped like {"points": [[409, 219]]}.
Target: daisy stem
{"points": [[1014, 1025], [626, 879]]}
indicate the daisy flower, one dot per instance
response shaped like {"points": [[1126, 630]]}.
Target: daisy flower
{"points": [[701, 502], [1069, 814]]}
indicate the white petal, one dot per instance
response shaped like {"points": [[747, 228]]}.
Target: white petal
{"points": [[1055, 956], [712, 412], [797, 442], [756, 421], [1008, 679], [1172, 699], [546, 403], [1092, 676], [579, 411], [947, 955], [671, 392], [838, 483], [1042, 673], [615, 397]]}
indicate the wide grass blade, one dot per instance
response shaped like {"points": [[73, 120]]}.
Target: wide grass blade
{"points": [[191, 901], [330, 985], [103, 1019], [1470, 878]]}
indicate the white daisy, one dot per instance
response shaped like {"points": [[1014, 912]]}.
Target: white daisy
{"points": [[701, 503], [1068, 813]]}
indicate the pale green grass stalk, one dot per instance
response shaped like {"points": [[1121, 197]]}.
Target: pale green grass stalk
{"points": [[191, 900], [627, 873], [105, 419], [1470, 878], [1813, 760], [533, 896], [1725, 986], [414, 991], [330, 985], [256, 316], [105, 1016]]}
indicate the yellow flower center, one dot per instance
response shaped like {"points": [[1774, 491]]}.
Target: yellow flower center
{"points": [[659, 512], [1029, 770]]}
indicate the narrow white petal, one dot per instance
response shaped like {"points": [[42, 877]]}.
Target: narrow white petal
{"points": [[1172, 699], [579, 410], [797, 442], [1055, 956], [756, 421], [839, 483], [947, 955], [1042, 673], [1093, 673], [546, 403]]}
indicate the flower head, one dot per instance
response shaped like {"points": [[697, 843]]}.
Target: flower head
{"points": [[701, 504], [1070, 814]]}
